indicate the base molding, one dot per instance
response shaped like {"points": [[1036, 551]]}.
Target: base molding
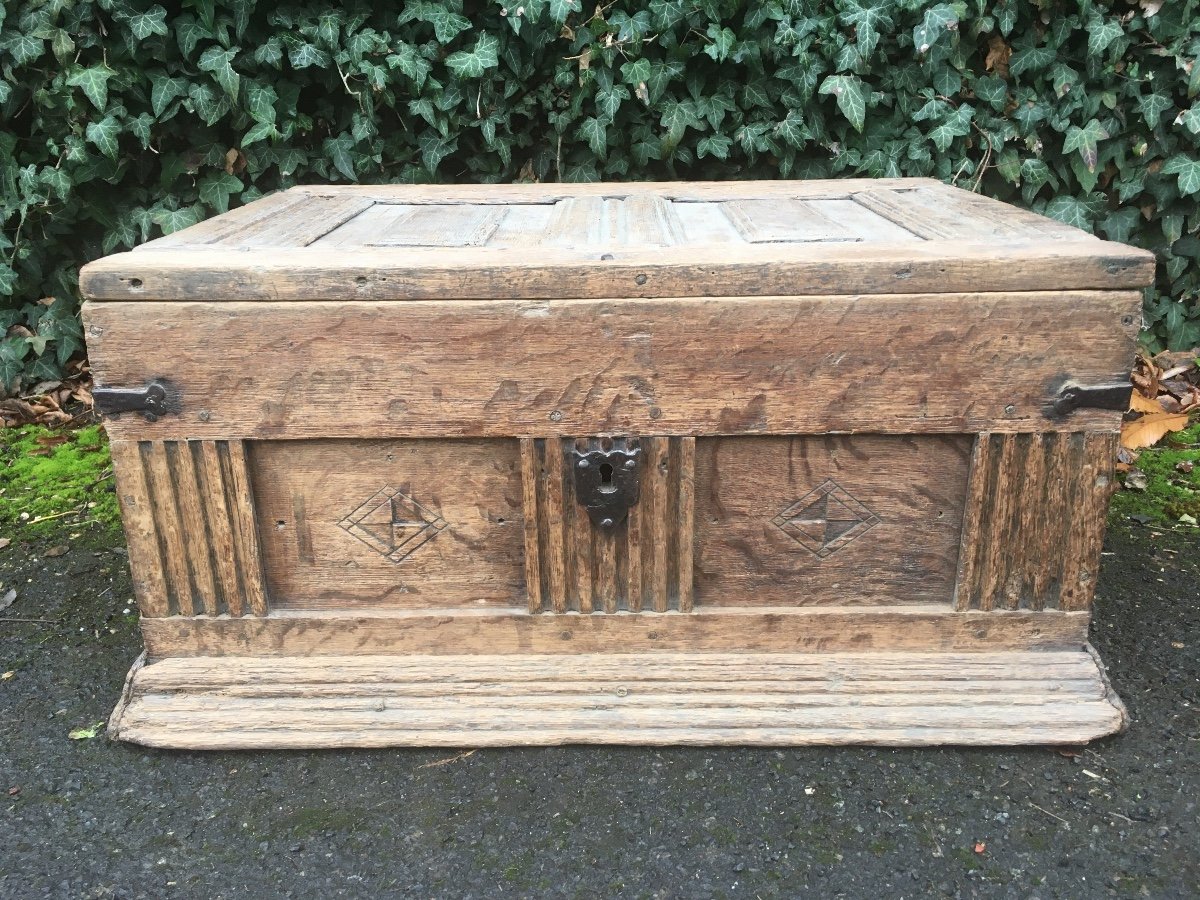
{"points": [[905, 698]]}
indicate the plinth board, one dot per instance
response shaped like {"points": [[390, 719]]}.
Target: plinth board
{"points": [[764, 699]]}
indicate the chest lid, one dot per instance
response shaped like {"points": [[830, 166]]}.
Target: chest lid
{"points": [[405, 242]]}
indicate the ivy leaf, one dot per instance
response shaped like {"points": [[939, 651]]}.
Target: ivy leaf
{"points": [[305, 55], [189, 33], [329, 29], [851, 96], [259, 131], [721, 42], [338, 150], [1085, 140], [23, 47], [1031, 59], [868, 22], [410, 63], [677, 117], [217, 62], [1188, 170], [1071, 211], [792, 131], [714, 145], [1190, 119], [434, 148], [956, 125], [94, 81], [1101, 33], [447, 24], [172, 220], [216, 189], [270, 52], [1152, 106], [560, 9], [57, 180], [104, 135], [151, 21], [992, 91], [1119, 224], [609, 99], [163, 90], [940, 20], [593, 131], [636, 72], [474, 63], [260, 102]]}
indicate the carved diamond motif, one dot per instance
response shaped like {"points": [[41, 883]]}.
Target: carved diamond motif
{"points": [[393, 524], [826, 519]]}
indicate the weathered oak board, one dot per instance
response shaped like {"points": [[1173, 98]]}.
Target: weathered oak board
{"points": [[189, 521], [780, 365], [485, 632], [417, 524], [686, 698], [830, 520], [1035, 520]]}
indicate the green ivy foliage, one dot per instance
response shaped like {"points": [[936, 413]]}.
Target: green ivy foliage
{"points": [[122, 120]]}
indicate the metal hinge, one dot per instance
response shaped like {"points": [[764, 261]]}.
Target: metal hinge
{"points": [[1112, 395], [154, 400], [607, 480]]}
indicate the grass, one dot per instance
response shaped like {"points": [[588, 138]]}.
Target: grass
{"points": [[1172, 494], [50, 478]]}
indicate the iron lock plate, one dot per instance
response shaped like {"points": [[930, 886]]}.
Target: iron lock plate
{"points": [[607, 479]]}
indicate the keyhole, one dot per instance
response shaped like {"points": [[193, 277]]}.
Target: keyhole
{"points": [[606, 479]]}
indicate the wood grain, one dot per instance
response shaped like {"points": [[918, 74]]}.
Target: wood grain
{"points": [[188, 550], [1035, 521], [146, 562], [812, 268], [766, 699], [795, 628], [782, 365], [390, 524], [583, 568], [829, 520]]}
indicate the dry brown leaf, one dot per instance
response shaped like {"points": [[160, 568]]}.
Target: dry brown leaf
{"points": [[997, 56], [60, 550], [1151, 428], [1138, 403]]}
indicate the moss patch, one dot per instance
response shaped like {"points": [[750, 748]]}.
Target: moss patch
{"points": [[1170, 494], [50, 478]]}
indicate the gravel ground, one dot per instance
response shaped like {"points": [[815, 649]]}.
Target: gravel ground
{"points": [[93, 818]]}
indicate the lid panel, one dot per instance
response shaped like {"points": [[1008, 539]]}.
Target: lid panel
{"points": [[403, 242], [778, 221], [439, 226]]}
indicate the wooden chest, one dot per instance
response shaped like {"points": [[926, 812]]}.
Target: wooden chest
{"points": [[742, 463]]}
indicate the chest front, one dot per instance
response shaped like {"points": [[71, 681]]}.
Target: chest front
{"points": [[768, 463]]}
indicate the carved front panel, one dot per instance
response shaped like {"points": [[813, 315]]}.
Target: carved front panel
{"points": [[415, 524], [828, 520]]}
